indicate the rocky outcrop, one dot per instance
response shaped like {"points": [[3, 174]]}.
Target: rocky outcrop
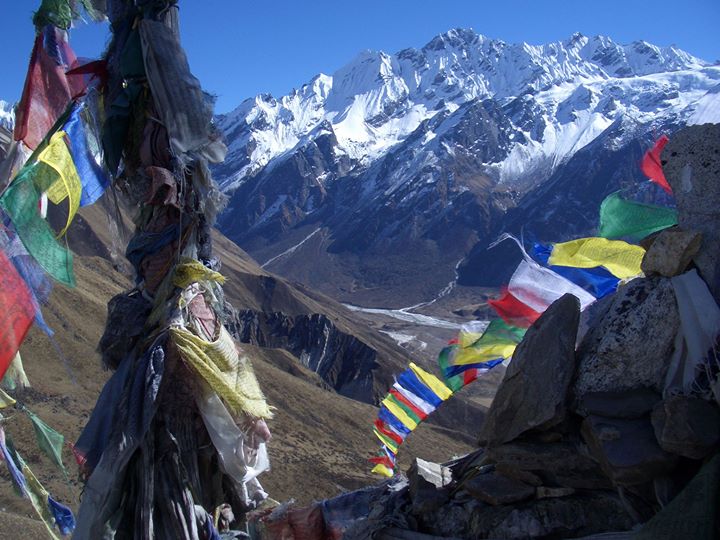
{"points": [[532, 394], [345, 362]]}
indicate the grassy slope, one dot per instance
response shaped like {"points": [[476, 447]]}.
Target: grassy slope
{"points": [[321, 440]]}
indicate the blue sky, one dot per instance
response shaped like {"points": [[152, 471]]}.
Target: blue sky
{"points": [[239, 48]]}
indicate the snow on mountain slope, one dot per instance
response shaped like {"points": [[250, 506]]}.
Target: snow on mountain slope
{"points": [[7, 115], [396, 165], [377, 100]]}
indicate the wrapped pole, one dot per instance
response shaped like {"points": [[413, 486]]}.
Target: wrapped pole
{"points": [[179, 429]]}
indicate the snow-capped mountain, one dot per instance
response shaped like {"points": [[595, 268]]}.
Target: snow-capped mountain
{"points": [[7, 115], [394, 166]]}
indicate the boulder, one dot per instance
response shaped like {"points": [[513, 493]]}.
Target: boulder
{"points": [[533, 393], [671, 252], [426, 483], [631, 344], [626, 449], [495, 489], [566, 517], [560, 463], [628, 404], [691, 162], [687, 426], [508, 471], [544, 492]]}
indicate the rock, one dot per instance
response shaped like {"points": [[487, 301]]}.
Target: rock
{"points": [[508, 471], [427, 481], [560, 463], [687, 426], [693, 169], [566, 517], [495, 489], [671, 252], [533, 393], [626, 449], [631, 345], [627, 404], [544, 492]]}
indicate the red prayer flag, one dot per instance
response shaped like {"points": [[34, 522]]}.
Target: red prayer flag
{"points": [[380, 425], [409, 405], [382, 460], [513, 311], [16, 312], [652, 167], [47, 91]]}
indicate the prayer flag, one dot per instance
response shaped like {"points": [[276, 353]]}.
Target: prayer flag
{"points": [[383, 470], [620, 218], [619, 258], [20, 202], [432, 382], [16, 312], [597, 281], [652, 166], [57, 156], [513, 311], [49, 440]]}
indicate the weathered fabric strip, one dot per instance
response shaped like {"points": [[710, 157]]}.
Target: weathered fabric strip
{"points": [[57, 156], [220, 365], [50, 441], [20, 202], [87, 155], [16, 312]]}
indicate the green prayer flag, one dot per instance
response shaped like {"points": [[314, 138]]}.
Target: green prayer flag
{"points": [[620, 218], [499, 332], [49, 440], [20, 201]]}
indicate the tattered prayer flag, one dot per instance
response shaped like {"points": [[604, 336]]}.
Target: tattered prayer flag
{"points": [[620, 218], [85, 151], [63, 516], [39, 499], [619, 258], [16, 312], [49, 440], [538, 287], [382, 428], [597, 281], [513, 311], [6, 400], [13, 467], [20, 202], [47, 91], [68, 186], [652, 166]]}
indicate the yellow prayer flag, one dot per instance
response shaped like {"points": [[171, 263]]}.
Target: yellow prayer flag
{"points": [[382, 469], [399, 413], [435, 384], [229, 374], [57, 156], [619, 258], [473, 355], [387, 441], [6, 400]]}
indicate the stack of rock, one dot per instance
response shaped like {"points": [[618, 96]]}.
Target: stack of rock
{"points": [[585, 436]]}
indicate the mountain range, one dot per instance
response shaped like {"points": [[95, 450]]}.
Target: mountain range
{"points": [[383, 184]]}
